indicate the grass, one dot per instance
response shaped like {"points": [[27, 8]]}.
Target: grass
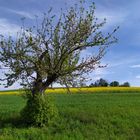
{"points": [[104, 116]]}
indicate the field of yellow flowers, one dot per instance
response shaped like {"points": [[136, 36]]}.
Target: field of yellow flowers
{"points": [[83, 90], [95, 90]]}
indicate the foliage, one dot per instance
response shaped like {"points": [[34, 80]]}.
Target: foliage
{"points": [[51, 51], [84, 116], [92, 85], [114, 84], [39, 111], [125, 84], [103, 83], [99, 83]]}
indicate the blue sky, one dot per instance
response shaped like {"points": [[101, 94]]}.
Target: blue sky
{"points": [[122, 58]]}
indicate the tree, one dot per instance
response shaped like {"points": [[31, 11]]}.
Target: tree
{"points": [[125, 84], [82, 84], [92, 85], [51, 51], [96, 84], [102, 83], [114, 84]]}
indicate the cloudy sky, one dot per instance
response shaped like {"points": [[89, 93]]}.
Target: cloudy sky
{"points": [[123, 58]]}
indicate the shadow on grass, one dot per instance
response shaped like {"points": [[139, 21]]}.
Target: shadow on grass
{"points": [[12, 122], [64, 122]]}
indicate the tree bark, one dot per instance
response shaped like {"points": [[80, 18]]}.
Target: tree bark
{"points": [[39, 87]]}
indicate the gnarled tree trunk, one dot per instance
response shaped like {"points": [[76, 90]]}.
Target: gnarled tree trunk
{"points": [[39, 86]]}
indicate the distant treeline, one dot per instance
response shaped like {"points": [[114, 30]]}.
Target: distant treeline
{"points": [[104, 83]]}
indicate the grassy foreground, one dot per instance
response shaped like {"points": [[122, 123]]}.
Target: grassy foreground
{"points": [[104, 116]]}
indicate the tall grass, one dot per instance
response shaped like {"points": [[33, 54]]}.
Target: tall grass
{"points": [[101, 116]]}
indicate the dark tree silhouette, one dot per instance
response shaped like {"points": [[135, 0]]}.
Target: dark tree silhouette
{"points": [[102, 83], [114, 84], [125, 84]]}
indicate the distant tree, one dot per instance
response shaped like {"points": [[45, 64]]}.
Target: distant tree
{"points": [[99, 83], [114, 84], [92, 85], [51, 51], [83, 84], [125, 84], [74, 84], [102, 83], [96, 84]]}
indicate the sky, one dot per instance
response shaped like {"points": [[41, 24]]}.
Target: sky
{"points": [[122, 58]]}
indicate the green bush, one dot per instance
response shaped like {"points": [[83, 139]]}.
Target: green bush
{"points": [[40, 110]]}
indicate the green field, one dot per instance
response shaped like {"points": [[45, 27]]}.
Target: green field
{"points": [[99, 116]]}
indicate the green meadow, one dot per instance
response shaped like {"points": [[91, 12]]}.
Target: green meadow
{"points": [[99, 116]]}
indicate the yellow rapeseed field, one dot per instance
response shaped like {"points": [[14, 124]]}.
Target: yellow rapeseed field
{"points": [[9, 92], [83, 90], [95, 90]]}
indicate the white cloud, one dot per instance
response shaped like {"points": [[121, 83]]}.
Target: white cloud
{"points": [[113, 17], [22, 13], [121, 60], [135, 66], [102, 71], [7, 28]]}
